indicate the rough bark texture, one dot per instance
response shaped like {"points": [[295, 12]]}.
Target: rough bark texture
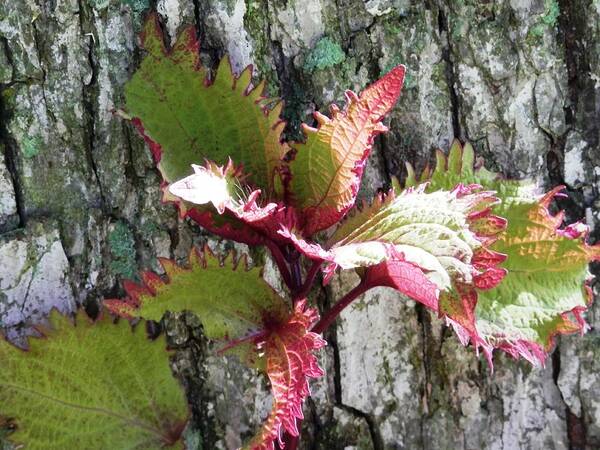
{"points": [[79, 207]]}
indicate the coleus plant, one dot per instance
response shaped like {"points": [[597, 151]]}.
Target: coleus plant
{"points": [[484, 253]]}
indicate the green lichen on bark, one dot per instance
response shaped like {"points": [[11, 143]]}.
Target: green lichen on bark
{"points": [[137, 6], [326, 53], [547, 20], [31, 146], [256, 24], [99, 5], [122, 249]]}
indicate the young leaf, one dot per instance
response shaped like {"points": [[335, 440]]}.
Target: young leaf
{"points": [[232, 301], [432, 247], [217, 199], [290, 361], [327, 169], [186, 119], [545, 290], [91, 385], [241, 308]]}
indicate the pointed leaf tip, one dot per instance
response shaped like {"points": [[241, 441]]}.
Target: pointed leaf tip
{"points": [[327, 169], [217, 199], [384, 93]]}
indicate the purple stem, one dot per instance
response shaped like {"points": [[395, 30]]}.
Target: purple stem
{"points": [[251, 337], [308, 283], [291, 442], [293, 259], [281, 264]]}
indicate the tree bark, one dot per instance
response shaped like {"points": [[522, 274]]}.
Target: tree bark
{"points": [[80, 209]]}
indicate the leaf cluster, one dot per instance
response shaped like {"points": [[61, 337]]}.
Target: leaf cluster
{"points": [[482, 252]]}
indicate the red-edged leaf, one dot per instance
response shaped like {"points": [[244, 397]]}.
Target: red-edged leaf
{"points": [[444, 235], [232, 301], [90, 385], [327, 169], [239, 308], [289, 351], [546, 288], [186, 118]]}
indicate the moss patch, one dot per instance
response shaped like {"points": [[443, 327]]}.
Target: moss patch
{"points": [[551, 12], [547, 20], [122, 250], [31, 146], [256, 23], [327, 53], [137, 5], [137, 8]]}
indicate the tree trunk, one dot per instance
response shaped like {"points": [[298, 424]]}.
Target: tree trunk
{"points": [[80, 210]]}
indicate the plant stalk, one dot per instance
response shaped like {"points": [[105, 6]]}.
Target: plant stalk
{"points": [[296, 275], [235, 342], [308, 282], [330, 316], [281, 264], [291, 442]]}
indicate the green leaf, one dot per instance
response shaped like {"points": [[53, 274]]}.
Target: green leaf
{"points": [[93, 386], [240, 307], [545, 291], [460, 167], [327, 169], [186, 119], [232, 301]]}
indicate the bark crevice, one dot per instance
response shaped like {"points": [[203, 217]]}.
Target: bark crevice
{"points": [[90, 97], [450, 71], [9, 144]]}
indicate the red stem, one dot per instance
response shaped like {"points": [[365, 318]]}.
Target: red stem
{"points": [[250, 337], [291, 442], [335, 311], [281, 264], [308, 283], [293, 259]]}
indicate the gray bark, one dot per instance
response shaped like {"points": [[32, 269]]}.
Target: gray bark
{"points": [[80, 210]]}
